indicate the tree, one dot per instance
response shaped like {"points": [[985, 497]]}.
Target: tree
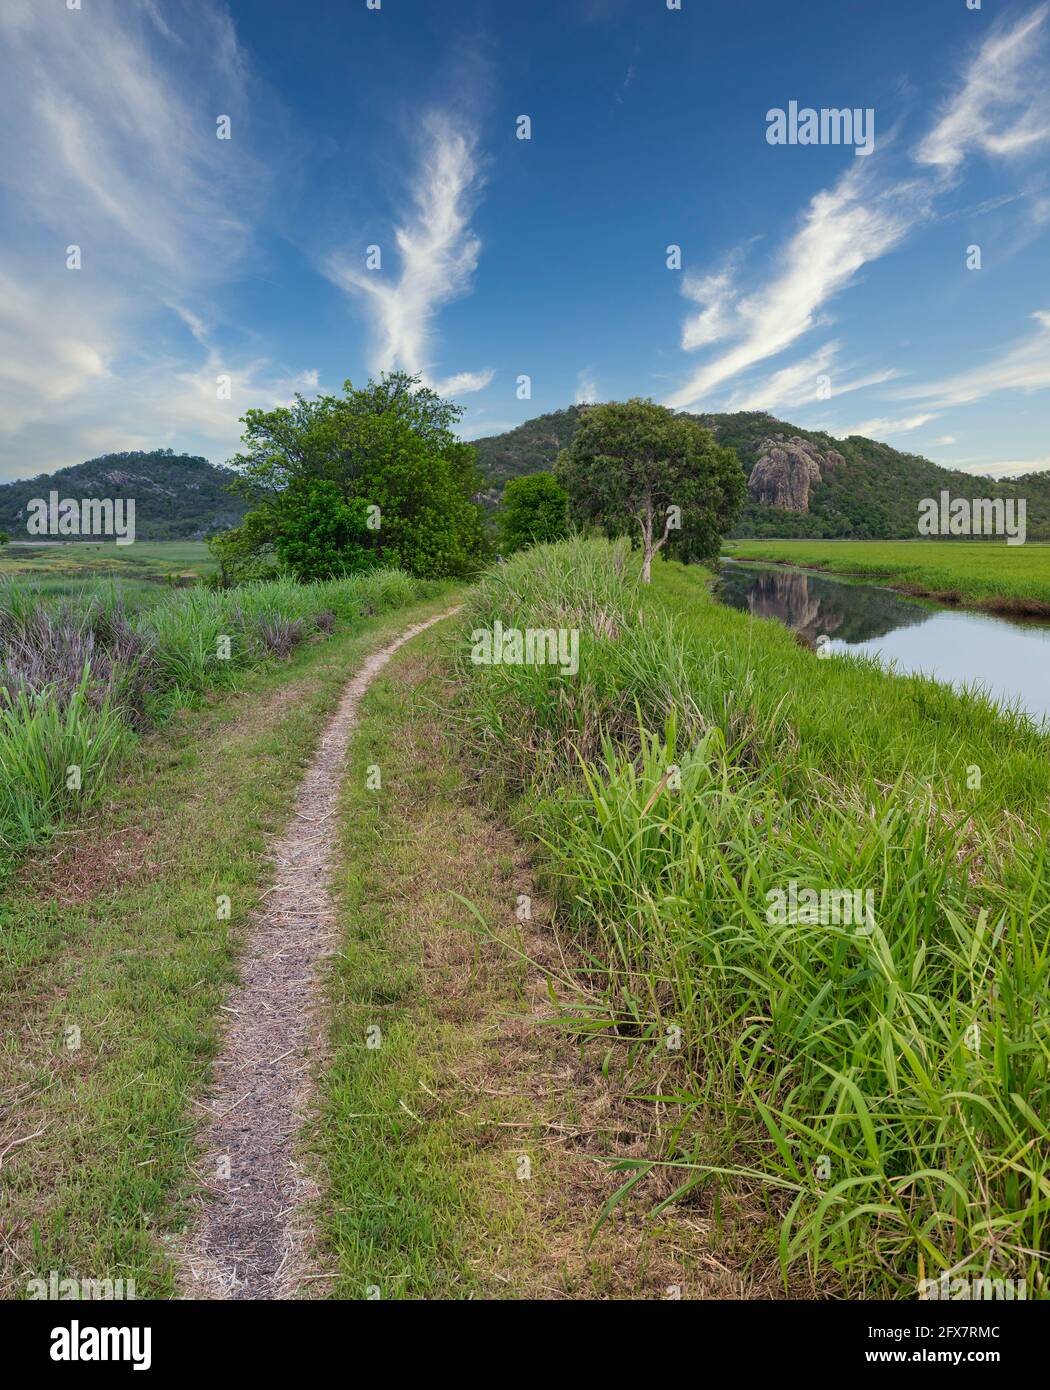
{"points": [[635, 468], [389, 447], [535, 510], [321, 532]]}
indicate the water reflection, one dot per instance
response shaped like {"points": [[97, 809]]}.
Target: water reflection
{"points": [[1010, 660]]}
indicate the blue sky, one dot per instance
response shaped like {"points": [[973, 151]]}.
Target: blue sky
{"points": [[829, 287]]}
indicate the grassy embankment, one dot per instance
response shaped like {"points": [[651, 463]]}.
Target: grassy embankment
{"points": [[463, 1147], [887, 1088], [980, 574], [79, 679], [114, 965]]}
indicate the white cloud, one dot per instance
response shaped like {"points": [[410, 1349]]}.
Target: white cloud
{"points": [[463, 383], [716, 295], [843, 229], [438, 254], [791, 386], [797, 385], [1003, 105], [47, 359], [1022, 366], [878, 429], [586, 387], [1005, 469], [156, 400], [1001, 108], [112, 142], [109, 115]]}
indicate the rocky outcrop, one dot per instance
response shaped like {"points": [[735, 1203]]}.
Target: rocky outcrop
{"points": [[785, 471]]}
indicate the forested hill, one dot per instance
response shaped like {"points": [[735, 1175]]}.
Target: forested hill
{"points": [[835, 487], [529, 448], [177, 496]]}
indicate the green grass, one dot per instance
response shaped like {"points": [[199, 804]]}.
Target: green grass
{"points": [[138, 576], [1006, 578], [417, 1138], [40, 740], [117, 935], [701, 761], [88, 559], [402, 1209]]}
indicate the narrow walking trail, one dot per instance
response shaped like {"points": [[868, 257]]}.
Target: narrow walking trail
{"points": [[251, 1239]]}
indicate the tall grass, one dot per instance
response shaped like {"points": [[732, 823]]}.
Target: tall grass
{"points": [[55, 756], [78, 675], [887, 1086]]}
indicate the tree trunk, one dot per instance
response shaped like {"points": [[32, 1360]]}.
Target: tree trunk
{"points": [[647, 543]]}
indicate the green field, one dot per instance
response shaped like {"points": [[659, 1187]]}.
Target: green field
{"points": [[982, 574], [84, 559], [137, 575]]}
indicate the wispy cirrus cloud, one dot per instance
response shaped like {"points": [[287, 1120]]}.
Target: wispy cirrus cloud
{"points": [[879, 428], [805, 382], [437, 256], [1023, 365], [1001, 108], [110, 123], [113, 118], [842, 230]]}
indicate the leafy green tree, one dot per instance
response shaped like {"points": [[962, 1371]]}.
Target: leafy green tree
{"points": [[535, 510], [389, 446], [635, 468], [320, 535], [248, 551]]}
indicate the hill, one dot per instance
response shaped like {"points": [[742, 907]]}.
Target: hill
{"points": [[802, 483], [177, 496], [527, 449]]}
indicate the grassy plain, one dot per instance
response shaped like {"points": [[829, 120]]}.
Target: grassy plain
{"points": [[138, 574], [981, 574]]}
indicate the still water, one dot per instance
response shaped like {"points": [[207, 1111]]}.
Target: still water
{"points": [[1009, 659]]}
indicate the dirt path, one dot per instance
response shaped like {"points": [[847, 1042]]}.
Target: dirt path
{"points": [[250, 1240]]}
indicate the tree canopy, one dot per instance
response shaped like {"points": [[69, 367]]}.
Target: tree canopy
{"points": [[535, 510], [635, 468], [382, 459]]}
